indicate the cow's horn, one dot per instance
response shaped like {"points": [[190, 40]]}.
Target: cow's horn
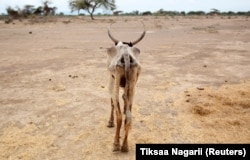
{"points": [[141, 37], [111, 37]]}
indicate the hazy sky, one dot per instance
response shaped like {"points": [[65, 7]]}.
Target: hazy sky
{"points": [[145, 5]]}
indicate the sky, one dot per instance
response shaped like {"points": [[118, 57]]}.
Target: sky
{"points": [[144, 5]]}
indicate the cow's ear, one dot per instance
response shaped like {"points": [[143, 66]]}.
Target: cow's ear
{"points": [[136, 51], [111, 51]]}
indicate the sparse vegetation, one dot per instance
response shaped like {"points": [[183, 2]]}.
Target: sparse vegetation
{"points": [[30, 10], [90, 6]]}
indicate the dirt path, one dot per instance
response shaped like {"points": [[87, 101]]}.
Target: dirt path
{"points": [[54, 103]]}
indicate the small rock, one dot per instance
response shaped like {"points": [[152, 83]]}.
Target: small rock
{"points": [[200, 88]]}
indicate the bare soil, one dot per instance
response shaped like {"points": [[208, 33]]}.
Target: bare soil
{"points": [[54, 101]]}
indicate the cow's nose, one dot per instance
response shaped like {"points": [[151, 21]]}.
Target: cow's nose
{"points": [[122, 60], [131, 60]]}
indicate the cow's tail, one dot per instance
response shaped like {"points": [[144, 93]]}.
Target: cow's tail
{"points": [[126, 91]]}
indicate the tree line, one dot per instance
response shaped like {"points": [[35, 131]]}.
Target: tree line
{"points": [[28, 10], [91, 6], [163, 12]]}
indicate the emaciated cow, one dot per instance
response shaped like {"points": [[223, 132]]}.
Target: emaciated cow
{"points": [[124, 69]]}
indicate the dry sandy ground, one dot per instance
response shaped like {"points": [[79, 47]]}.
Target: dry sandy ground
{"points": [[54, 101]]}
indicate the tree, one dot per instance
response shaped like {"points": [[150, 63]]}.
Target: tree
{"points": [[47, 9], [12, 12], [116, 13], [183, 13], [196, 13], [27, 10], [38, 10], [91, 5], [214, 11], [146, 13], [76, 5]]}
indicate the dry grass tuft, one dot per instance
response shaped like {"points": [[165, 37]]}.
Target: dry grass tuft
{"points": [[223, 113]]}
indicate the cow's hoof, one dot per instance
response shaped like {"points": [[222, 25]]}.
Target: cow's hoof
{"points": [[124, 149], [116, 147], [111, 125]]}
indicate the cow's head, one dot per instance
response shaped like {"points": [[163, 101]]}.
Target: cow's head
{"points": [[121, 50]]}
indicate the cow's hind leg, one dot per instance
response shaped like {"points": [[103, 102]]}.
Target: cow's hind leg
{"points": [[118, 128], [128, 100], [127, 127], [127, 122], [111, 120], [125, 103], [115, 98]]}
